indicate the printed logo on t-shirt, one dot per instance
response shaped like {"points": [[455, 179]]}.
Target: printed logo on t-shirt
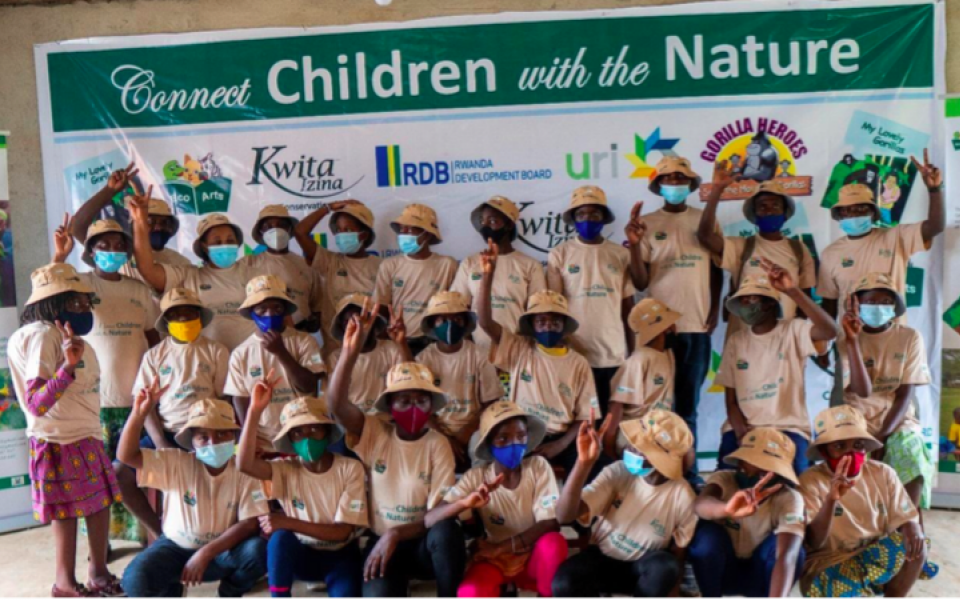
{"points": [[380, 466], [203, 367], [754, 262], [166, 369], [743, 365], [549, 501], [341, 273], [573, 269], [425, 477], [660, 236], [475, 276], [565, 390], [189, 498], [617, 501], [257, 496], [731, 524], [470, 378], [96, 301], [298, 503], [870, 363], [792, 518], [899, 356], [846, 263], [357, 506], [658, 527], [398, 282], [838, 511], [497, 519], [881, 508], [256, 372], [613, 268], [526, 376], [514, 278], [658, 380], [886, 253]]}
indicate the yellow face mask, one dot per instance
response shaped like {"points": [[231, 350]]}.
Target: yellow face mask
{"points": [[185, 332]]}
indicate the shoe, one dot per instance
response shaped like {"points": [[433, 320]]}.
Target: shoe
{"points": [[688, 583]]}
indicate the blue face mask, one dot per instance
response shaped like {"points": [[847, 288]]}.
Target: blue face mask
{"points": [[215, 455], [589, 230], [856, 226], [159, 239], [634, 464], [268, 323], [771, 223], [509, 456], [81, 323], [348, 242], [449, 332], [877, 315], [223, 256], [674, 194], [110, 262], [548, 339], [409, 244]]}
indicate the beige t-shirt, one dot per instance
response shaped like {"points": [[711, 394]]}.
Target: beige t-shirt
{"points": [[374, 366], [407, 478], [595, 280], [679, 266], [189, 372], [767, 373], [163, 257], [634, 517], [222, 291], [517, 277], [251, 362], [893, 358], [511, 512], [408, 283], [876, 506], [124, 311], [341, 275], [644, 382], [303, 283], [338, 496], [197, 506], [781, 513], [467, 378], [558, 390], [35, 351]]}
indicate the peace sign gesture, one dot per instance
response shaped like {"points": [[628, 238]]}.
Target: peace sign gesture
{"points": [[72, 345], [589, 440], [147, 399], [779, 278], [397, 330], [62, 240], [840, 484], [480, 497], [932, 177], [263, 392], [121, 177], [852, 325], [488, 258], [139, 206], [357, 329], [636, 227], [745, 502]]}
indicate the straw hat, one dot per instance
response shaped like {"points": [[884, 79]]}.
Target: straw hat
{"points": [[278, 211], [769, 450], [182, 297], [358, 211], [649, 318], [501, 411], [754, 286], [546, 301], [305, 410], [159, 208], [447, 303], [418, 215], [837, 424], [769, 187], [265, 287], [411, 376], [102, 227], [352, 299], [881, 281], [854, 194], [209, 413], [673, 164], [501, 204], [663, 438], [588, 195], [53, 279], [206, 224]]}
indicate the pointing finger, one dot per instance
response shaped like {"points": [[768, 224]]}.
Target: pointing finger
{"points": [[916, 163], [926, 157]]}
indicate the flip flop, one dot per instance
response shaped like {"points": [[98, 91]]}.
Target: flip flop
{"points": [[77, 592], [110, 589]]}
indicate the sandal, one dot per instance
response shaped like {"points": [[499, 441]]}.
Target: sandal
{"points": [[77, 592], [110, 589]]}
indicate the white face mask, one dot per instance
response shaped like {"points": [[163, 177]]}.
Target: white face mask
{"points": [[276, 238]]}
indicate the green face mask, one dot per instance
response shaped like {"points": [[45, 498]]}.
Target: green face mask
{"points": [[310, 449]]}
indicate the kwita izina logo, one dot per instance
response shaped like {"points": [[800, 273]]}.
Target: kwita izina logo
{"points": [[592, 164], [197, 186], [299, 174], [758, 149]]}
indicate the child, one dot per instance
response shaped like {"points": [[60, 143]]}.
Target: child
{"points": [[763, 364], [514, 498], [210, 509], [750, 537], [462, 371], [410, 468], [323, 497], [954, 435], [294, 355], [863, 534], [642, 506], [163, 227], [56, 377], [406, 283]]}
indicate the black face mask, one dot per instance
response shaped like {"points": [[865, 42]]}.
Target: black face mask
{"points": [[159, 239], [489, 233]]}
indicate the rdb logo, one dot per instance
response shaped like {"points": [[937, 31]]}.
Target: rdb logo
{"points": [[393, 172]]}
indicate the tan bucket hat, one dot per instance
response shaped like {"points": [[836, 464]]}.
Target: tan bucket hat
{"points": [[854, 194], [265, 287], [501, 411], [209, 413], [754, 286], [53, 279], [674, 164], [546, 301], [359, 211], [501, 204], [649, 318], [769, 187], [209, 222], [837, 424], [278, 211], [769, 450], [352, 299], [411, 376], [585, 196], [305, 410], [159, 208], [447, 303], [881, 281], [419, 215], [663, 438], [102, 227], [182, 297]]}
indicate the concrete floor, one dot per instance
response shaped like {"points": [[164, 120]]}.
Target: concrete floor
{"points": [[27, 563]]}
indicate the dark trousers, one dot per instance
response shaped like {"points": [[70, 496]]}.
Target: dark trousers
{"points": [[693, 355], [440, 555], [729, 444], [592, 573], [289, 559], [720, 572], [601, 379], [156, 571]]}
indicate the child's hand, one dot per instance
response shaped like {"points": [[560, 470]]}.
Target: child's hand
{"points": [[488, 258], [852, 325], [263, 393], [147, 399], [481, 496], [932, 177], [121, 177], [778, 276], [723, 175], [72, 345], [139, 207], [840, 484], [195, 568], [745, 502], [62, 240], [358, 327], [272, 342], [589, 440], [636, 227], [272, 522], [397, 330]]}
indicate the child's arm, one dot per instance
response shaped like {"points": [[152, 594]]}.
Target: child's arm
{"points": [[785, 569], [824, 327], [301, 378], [635, 230], [897, 412], [201, 559], [626, 305], [347, 415], [328, 532], [818, 531], [90, 210], [128, 450], [152, 273], [570, 506], [488, 259], [734, 414], [614, 415], [474, 501], [62, 240], [247, 459], [303, 232], [860, 383], [707, 231], [154, 428], [43, 394], [936, 220]]}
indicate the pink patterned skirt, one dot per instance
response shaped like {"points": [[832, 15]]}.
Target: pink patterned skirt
{"points": [[71, 481]]}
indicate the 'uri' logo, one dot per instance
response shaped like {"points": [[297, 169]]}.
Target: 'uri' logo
{"points": [[393, 172]]}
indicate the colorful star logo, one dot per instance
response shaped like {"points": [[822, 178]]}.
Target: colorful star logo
{"points": [[643, 147]]}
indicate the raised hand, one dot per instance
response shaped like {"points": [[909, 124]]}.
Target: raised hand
{"points": [[272, 342], [72, 345], [147, 399], [62, 240], [840, 484], [779, 278], [723, 175], [121, 177], [590, 440], [745, 502], [488, 258], [340, 204], [138, 206], [263, 392], [852, 325], [636, 227], [358, 327], [480, 497], [932, 177], [397, 330]]}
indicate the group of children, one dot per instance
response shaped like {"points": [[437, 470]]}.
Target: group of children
{"points": [[426, 437]]}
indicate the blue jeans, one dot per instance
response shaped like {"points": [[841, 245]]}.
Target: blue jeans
{"points": [[156, 571], [729, 443], [288, 559], [692, 352], [720, 572]]}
